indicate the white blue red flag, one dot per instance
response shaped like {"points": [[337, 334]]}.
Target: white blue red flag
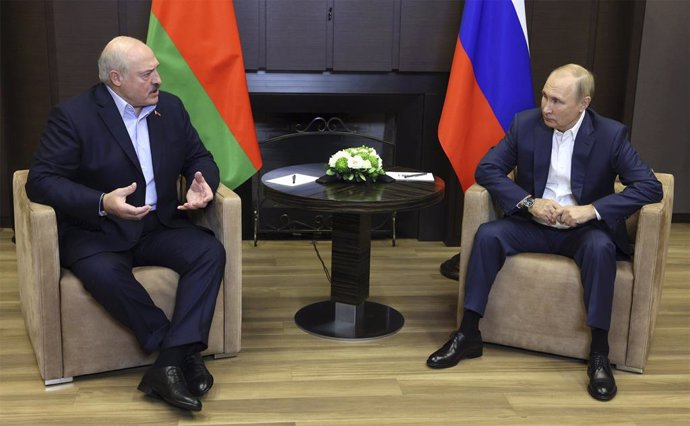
{"points": [[490, 80]]}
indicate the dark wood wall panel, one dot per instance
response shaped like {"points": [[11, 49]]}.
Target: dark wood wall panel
{"points": [[428, 34], [82, 28], [296, 34], [134, 17], [616, 43], [363, 35], [661, 130], [26, 90], [249, 25], [26, 78], [559, 33]]}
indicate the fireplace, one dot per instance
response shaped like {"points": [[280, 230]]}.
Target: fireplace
{"points": [[310, 130], [396, 114]]}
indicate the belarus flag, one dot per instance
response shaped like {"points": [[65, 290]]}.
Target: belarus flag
{"points": [[490, 81], [198, 46]]}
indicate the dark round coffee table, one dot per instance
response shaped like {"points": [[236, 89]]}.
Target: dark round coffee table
{"points": [[348, 314]]}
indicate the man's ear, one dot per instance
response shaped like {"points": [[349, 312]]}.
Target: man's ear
{"points": [[585, 102], [115, 78]]}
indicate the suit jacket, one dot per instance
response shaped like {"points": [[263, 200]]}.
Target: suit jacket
{"points": [[601, 152], [85, 151]]}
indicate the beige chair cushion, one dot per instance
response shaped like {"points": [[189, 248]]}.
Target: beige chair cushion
{"points": [[77, 304]]}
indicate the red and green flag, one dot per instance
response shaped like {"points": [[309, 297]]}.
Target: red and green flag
{"points": [[198, 46]]}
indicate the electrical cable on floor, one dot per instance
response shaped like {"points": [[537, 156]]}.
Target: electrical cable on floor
{"points": [[325, 268]]}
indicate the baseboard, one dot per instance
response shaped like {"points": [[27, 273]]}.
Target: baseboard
{"points": [[680, 218]]}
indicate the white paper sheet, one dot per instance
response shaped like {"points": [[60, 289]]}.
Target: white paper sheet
{"points": [[293, 180], [411, 176]]}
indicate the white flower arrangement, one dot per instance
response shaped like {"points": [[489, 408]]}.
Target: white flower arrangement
{"points": [[361, 164]]}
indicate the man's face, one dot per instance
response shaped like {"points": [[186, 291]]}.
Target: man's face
{"points": [[560, 107], [139, 85]]}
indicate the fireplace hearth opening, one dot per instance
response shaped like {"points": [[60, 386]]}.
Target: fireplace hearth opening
{"points": [[309, 128]]}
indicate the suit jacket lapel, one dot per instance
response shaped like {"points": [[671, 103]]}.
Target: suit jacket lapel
{"points": [[112, 119], [156, 141], [543, 138], [583, 145]]}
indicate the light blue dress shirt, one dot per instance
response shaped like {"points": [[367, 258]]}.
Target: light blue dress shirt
{"points": [[138, 130]]}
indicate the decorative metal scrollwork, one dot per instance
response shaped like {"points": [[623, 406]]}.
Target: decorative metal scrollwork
{"points": [[321, 125]]}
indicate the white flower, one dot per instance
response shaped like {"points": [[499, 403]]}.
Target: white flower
{"points": [[355, 164], [335, 157]]}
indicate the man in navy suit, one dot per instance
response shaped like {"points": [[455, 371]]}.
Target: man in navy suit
{"points": [[109, 162], [562, 201]]}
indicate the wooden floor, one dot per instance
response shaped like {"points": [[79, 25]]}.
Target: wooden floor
{"points": [[286, 377]]}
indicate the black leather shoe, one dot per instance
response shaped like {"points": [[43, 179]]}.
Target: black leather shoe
{"points": [[199, 379], [602, 385], [167, 383], [455, 349]]}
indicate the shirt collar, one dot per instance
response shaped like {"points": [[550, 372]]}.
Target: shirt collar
{"points": [[124, 108], [574, 129]]}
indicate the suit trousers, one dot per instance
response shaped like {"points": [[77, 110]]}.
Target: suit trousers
{"points": [[589, 245], [193, 252]]}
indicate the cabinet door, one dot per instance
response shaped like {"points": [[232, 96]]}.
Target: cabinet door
{"points": [[363, 33], [428, 33], [248, 24], [296, 32]]}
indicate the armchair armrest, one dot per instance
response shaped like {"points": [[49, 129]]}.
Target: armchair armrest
{"points": [[38, 274], [649, 261], [478, 209], [224, 218]]}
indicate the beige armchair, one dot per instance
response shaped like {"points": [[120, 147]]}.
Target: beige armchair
{"points": [[536, 300], [71, 333]]}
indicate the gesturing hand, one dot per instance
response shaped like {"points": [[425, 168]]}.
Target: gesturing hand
{"points": [[199, 194], [115, 203]]}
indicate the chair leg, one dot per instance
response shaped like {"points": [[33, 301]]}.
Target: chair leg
{"points": [[629, 369], [224, 355], [60, 381]]}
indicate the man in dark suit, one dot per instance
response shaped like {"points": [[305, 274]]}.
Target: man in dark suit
{"points": [[562, 201], [109, 162]]}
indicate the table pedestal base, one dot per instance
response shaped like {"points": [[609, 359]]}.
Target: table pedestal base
{"points": [[334, 320]]}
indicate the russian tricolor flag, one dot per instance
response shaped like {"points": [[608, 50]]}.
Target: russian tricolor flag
{"points": [[490, 81]]}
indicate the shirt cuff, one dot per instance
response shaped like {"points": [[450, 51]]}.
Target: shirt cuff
{"points": [[596, 212], [519, 204], [101, 209]]}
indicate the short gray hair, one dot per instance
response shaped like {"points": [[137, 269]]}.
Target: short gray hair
{"points": [[584, 86], [113, 57]]}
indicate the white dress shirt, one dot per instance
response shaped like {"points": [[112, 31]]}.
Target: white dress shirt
{"points": [[138, 130], [558, 180]]}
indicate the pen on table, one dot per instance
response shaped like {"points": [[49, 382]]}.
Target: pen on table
{"points": [[293, 178], [414, 175]]}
